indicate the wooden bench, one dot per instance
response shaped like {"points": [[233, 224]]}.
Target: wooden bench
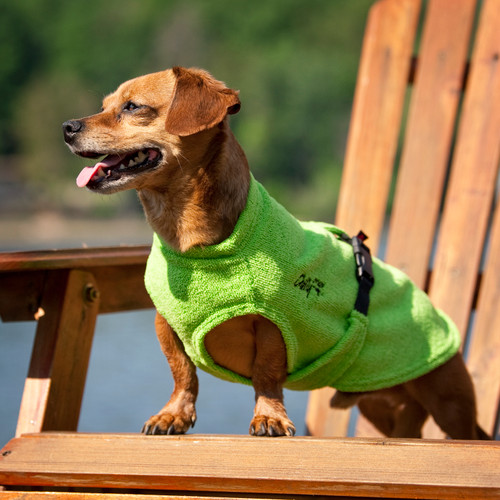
{"points": [[444, 230]]}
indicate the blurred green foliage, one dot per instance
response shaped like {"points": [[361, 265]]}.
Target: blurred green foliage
{"points": [[293, 61]]}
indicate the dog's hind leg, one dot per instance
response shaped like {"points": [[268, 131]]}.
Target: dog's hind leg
{"points": [[395, 414], [447, 393], [268, 375]]}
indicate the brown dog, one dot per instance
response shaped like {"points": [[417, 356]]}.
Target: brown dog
{"points": [[166, 135]]}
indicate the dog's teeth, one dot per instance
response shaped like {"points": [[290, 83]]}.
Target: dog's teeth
{"points": [[137, 159]]}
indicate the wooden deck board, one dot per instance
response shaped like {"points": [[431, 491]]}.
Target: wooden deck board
{"points": [[233, 464]]}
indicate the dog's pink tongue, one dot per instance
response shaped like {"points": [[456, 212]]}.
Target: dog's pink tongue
{"points": [[88, 172]]}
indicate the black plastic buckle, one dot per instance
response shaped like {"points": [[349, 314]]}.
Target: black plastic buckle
{"points": [[363, 258], [364, 272]]}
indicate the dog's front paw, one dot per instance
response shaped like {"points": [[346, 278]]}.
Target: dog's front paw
{"points": [[167, 422], [263, 425]]}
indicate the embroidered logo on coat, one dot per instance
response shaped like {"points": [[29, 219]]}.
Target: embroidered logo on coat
{"points": [[308, 284]]}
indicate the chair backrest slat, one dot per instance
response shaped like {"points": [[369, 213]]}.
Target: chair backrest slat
{"points": [[466, 230], [429, 133], [386, 62], [445, 208], [484, 348], [473, 177], [376, 116]]}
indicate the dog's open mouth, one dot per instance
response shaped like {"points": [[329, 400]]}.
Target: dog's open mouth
{"points": [[115, 166]]}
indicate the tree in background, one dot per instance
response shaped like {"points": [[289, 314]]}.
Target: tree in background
{"points": [[294, 62]]}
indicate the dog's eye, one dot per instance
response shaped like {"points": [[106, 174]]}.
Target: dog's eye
{"points": [[130, 106]]}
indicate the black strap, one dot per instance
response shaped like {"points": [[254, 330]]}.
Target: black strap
{"points": [[364, 272]]}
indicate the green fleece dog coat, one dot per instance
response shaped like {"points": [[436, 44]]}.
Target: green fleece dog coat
{"points": [[300, 276]]}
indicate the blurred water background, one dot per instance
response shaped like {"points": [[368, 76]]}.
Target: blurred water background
{"points": [[295, 64]]}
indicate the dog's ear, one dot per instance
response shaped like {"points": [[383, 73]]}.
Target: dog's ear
{"points": [[199, 102]]}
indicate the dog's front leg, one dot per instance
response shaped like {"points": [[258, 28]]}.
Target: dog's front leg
{"points": [[179, 414], [269, 374]]}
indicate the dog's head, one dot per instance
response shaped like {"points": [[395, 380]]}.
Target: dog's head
{"points": [[141, 127]]}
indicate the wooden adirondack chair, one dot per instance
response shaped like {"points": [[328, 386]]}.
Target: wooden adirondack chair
{"points": [[444, 226], [444, 231]]}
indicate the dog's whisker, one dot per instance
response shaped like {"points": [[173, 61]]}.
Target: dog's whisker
{"points": [[179, 156]]}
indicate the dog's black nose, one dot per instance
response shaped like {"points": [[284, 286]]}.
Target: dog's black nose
{"points": [[71, 128]]}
